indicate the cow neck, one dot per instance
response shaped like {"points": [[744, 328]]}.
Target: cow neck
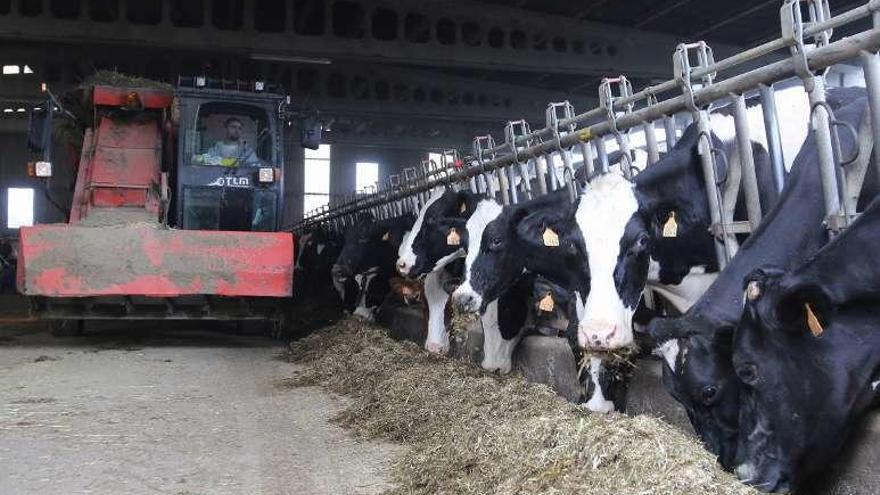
{"points": [[848, 267], [790, 232]]}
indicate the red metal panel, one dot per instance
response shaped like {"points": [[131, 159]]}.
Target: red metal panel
{"points": [[127, 153], [116, 97], [76, 261]]}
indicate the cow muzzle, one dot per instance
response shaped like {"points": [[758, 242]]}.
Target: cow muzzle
{"points": [[466, 299], [601, 335], [403, 268]]}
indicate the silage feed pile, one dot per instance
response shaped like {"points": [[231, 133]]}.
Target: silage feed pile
{"points": [[475, 433]]}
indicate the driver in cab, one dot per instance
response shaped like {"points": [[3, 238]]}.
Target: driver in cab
{"points": [[232, 151]]}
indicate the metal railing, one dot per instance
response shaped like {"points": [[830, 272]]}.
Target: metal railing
{"points": [[506, 169]]}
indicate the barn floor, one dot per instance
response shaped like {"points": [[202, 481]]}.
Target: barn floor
{"points": [[161, 411]]}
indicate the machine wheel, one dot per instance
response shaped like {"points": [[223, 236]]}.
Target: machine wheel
{"points": [[67, 328]]}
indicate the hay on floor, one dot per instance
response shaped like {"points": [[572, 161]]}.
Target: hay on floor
{"points": [[476, 433]]}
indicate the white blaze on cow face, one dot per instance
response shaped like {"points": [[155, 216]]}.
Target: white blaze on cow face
{"points": [[362, 310], [598, 403], [497, 351], [437, 341], [605, 208], [406, 257], [486, 211]]}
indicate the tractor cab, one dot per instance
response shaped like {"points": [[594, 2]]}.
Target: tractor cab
{"points": [[229, 164]]}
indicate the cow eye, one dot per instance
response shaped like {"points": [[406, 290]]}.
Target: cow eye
{"points": [[748, 373], [708, 394], [495, 243]]}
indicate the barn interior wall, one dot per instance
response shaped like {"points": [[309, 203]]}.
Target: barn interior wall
{"points": [[13, 173], [344, 160]]}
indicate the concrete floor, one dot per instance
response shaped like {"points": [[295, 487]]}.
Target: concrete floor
{"points": [[156, 410]]}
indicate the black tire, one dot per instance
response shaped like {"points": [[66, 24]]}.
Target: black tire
{"points": [[67, 328]]}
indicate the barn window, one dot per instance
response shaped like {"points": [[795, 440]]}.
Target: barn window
{"points": [[317, 178], [19, 207], [9, 70], [366, 174], [436, 162]]}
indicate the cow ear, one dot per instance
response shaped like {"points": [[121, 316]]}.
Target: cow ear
{"points": [[662, 329], [386, 237], [804, 306]]}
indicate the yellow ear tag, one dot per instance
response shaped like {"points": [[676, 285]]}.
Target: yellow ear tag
{"points": [[386, 237], [813, 321], [670, 228], [463, 208], [550, 238], [546, 303], [452, 238]]}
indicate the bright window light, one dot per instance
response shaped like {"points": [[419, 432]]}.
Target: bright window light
{"points": [[317, 178], [11, 69], [436, 162], [366, 174], [19, 207], [28, 70]]}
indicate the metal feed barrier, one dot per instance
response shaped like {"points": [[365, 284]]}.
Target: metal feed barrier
{"points": [[508, 169]]}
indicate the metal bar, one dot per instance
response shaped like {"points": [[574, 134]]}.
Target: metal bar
{"points": [[749, 177], [871, 66], [669, 129], [819, 58], [651, 143], [821, 121], [587, 155], [603, 154], [774, 139]]}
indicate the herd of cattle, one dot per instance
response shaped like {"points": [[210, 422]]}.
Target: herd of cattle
{"points": [[774, 358]]}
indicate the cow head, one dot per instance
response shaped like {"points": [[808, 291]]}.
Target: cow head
{"points": [[698, 373], [484, 236], [366, 246], [617, 249], [535, 235], [663, 214], [438, 234], [808, 369]]}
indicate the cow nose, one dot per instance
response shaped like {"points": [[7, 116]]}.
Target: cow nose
{"points": [[466, 301], [598, 334], [402, 267]]}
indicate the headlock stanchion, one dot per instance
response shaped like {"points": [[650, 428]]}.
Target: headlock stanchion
{"points": [[806, 39]]}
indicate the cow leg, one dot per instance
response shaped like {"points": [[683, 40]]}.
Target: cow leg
{"points": [[497, 351], [436, 298]]}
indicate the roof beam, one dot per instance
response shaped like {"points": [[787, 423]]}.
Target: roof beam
{"points": [[488, 37]]}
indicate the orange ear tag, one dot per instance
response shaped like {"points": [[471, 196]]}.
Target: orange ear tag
{"points": [[813, 322], [546, 303], [452, 238], [551, 239], [670, 228]]}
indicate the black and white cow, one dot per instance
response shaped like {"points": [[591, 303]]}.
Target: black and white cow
{"points": [[317, 251], [807, 351], [697, 347], [368, 256], [623, 222], [438, 238]]}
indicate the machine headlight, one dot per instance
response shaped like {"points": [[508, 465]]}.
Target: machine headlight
{"points": [[267, 174], [200, 82], [43, 169], [259, 86]]}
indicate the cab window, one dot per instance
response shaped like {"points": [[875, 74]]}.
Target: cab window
{"points": [[231, 135]]}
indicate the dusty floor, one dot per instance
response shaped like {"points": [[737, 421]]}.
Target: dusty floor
{"points": [[144, 410]]}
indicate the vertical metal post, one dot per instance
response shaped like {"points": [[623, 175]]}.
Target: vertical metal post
{"points": [[651, 143], [749, 177], [551, 167], [820, 120], [587, 154], [669, 128], [603, 155], [541, 173], [871, 66], [774, 139], [511, 183]]}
